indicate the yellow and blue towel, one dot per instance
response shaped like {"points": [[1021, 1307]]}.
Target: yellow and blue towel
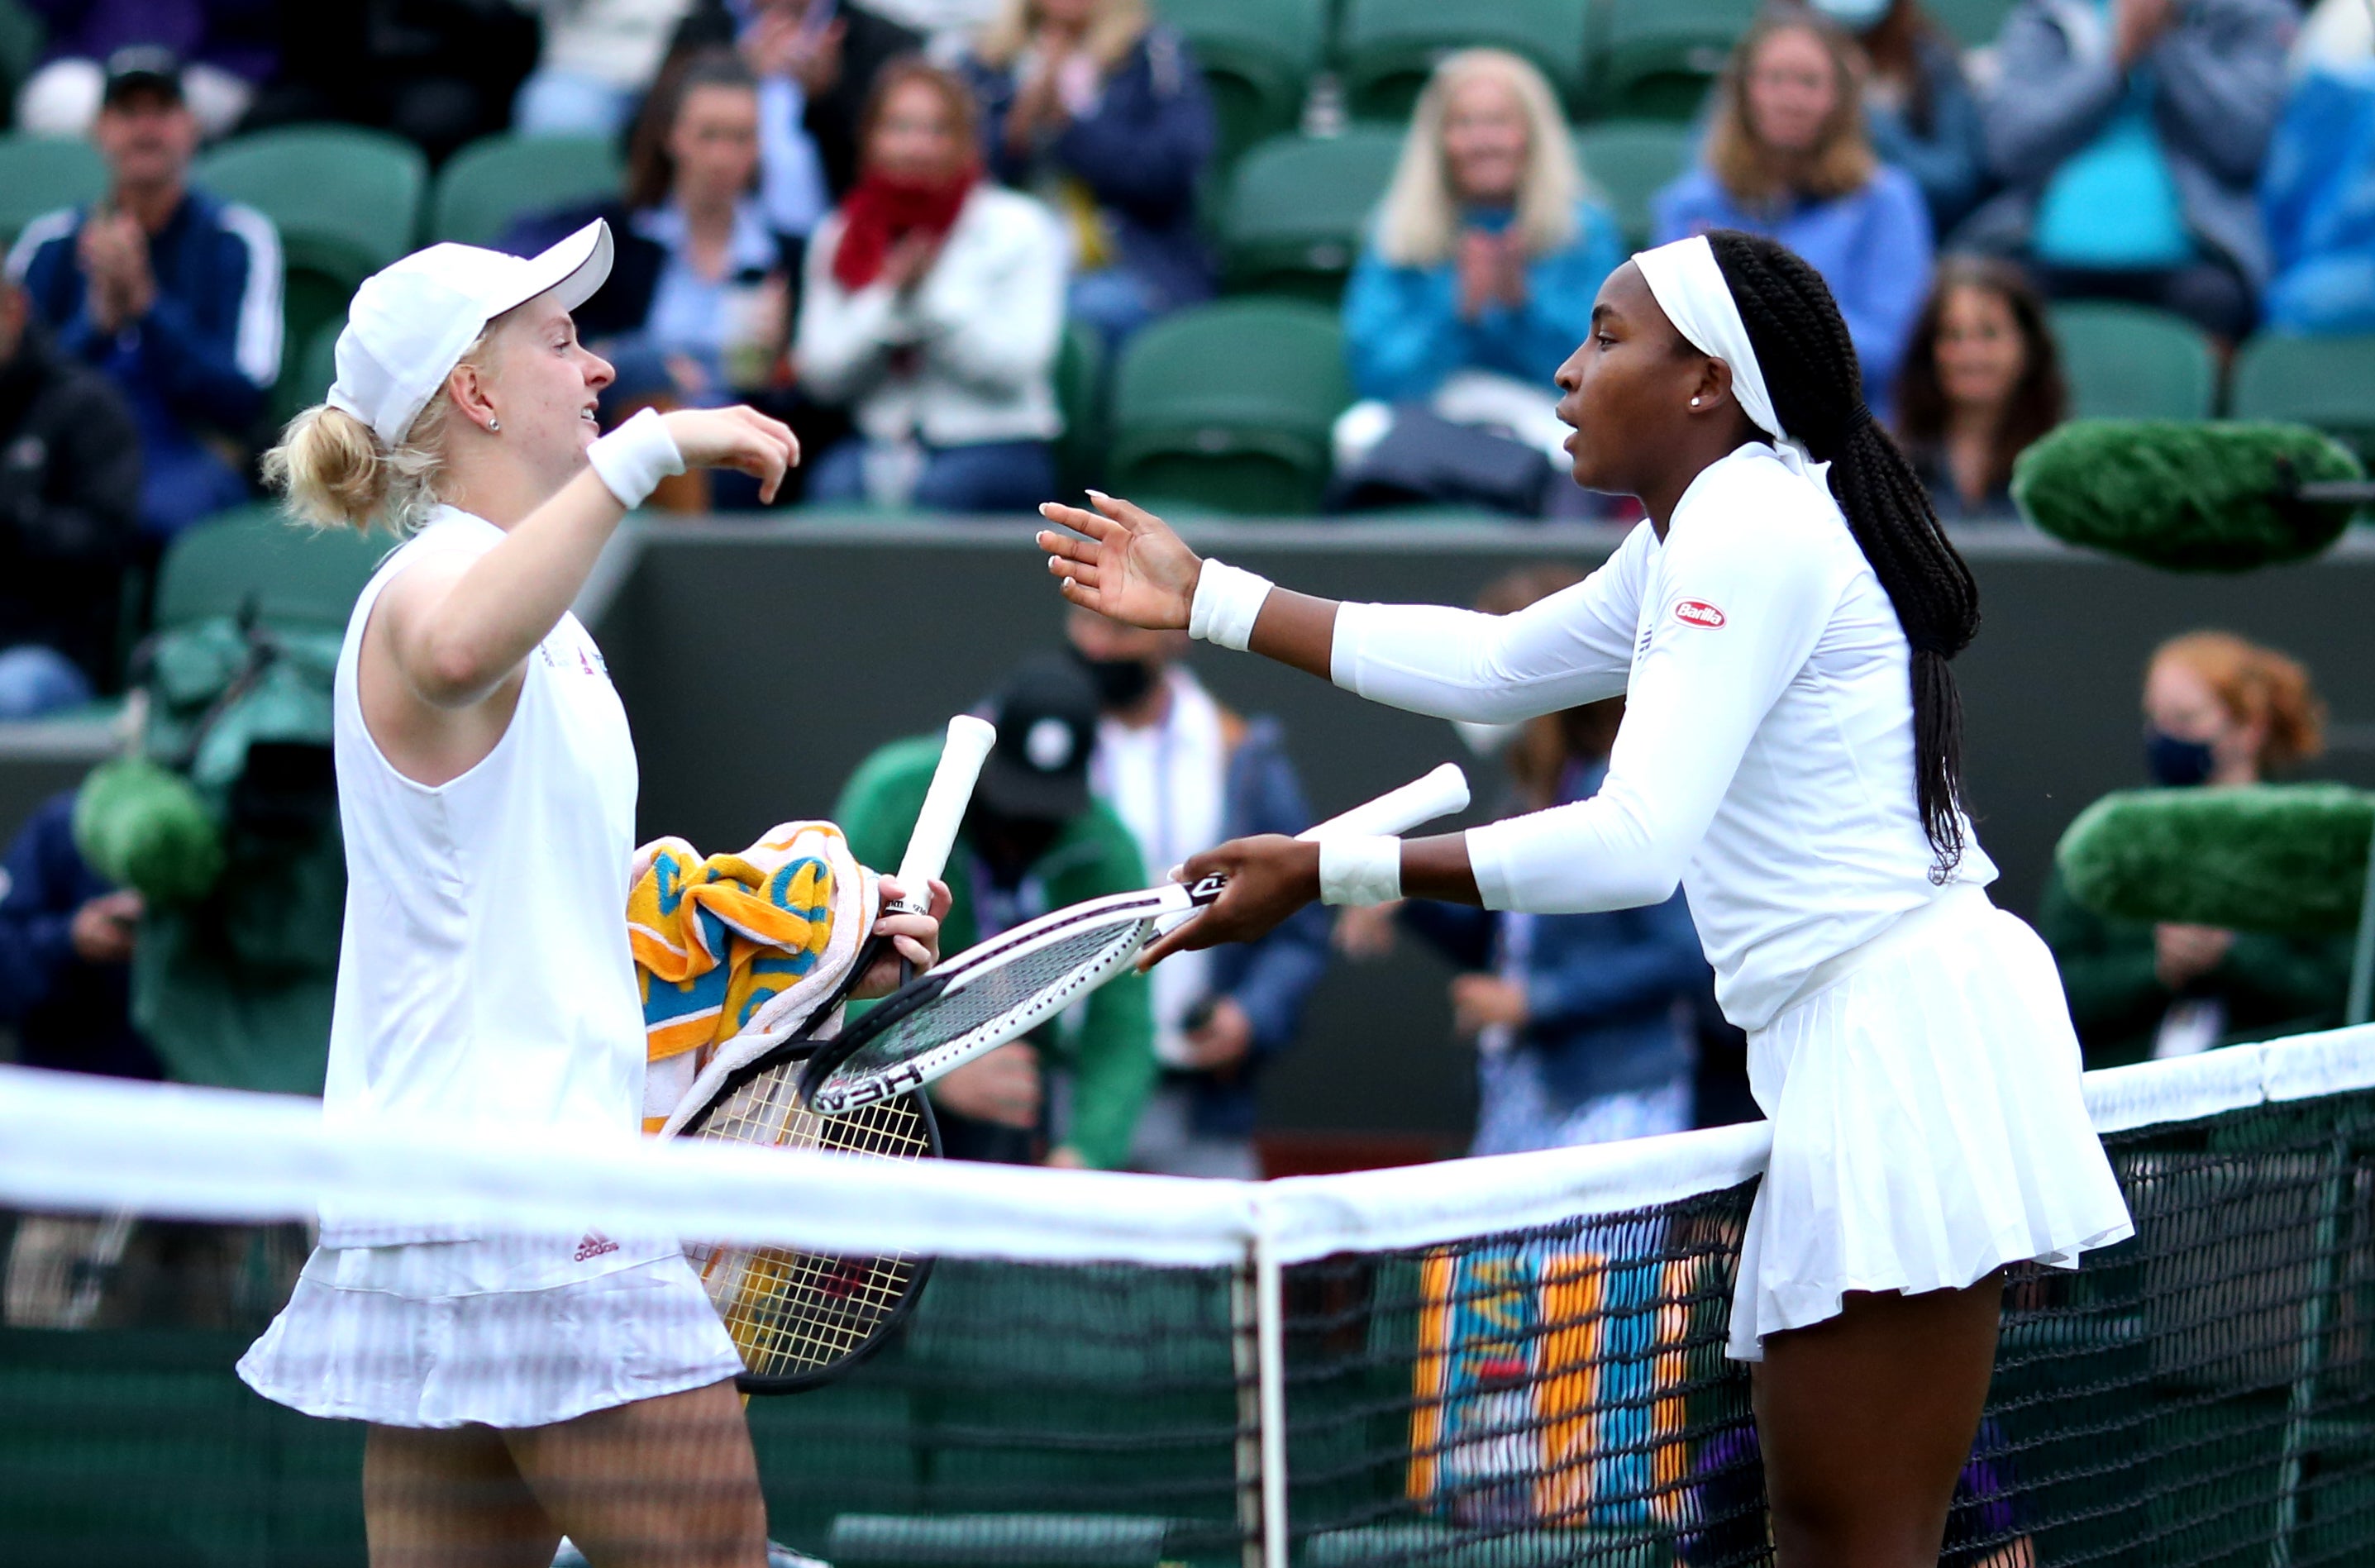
{"points": [[733, 951]]}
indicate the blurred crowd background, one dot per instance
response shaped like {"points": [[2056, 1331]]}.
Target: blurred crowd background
{"points": [[1313, 259]]}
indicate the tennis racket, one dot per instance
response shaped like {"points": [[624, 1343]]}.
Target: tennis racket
{"points": [[1010, 985], [799, 1318]]}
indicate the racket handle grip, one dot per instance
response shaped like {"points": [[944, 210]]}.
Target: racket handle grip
{"points": [[1439, 793], [962, 755]]}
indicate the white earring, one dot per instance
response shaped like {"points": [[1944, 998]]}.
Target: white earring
{"points": [[1694, 402], [494, 425]]}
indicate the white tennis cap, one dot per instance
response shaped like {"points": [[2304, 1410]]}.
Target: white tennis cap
{"points": [[410, 322]]}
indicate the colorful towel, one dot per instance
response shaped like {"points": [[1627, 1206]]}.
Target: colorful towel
{"points": [[734, 952]]}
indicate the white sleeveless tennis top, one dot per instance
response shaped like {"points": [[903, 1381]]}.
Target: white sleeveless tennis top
{"points": [[485, 978]]}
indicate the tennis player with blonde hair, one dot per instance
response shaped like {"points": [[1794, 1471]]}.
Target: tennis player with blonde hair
{"points": [[516, 1387]]}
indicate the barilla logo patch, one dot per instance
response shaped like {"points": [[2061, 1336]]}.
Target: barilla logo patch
{"points": [[595, 1244], [1698, 612]]}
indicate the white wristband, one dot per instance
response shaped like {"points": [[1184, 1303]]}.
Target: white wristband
{"points": [[633, 459], [1360, 868], [1228, 600]]}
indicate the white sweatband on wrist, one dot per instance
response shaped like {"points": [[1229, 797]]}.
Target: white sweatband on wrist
{"points": [[633, 459], [1360, 868], [1227, 601]]}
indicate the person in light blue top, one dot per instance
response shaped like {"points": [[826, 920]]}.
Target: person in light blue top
{"points": [[1787, 156], [1477, 277], [2131, 149]]}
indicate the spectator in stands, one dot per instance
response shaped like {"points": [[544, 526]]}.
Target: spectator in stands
{"points": [[66, 952], [1786, 156], [1477, 279], [69, 513], [437, 73], [698, 308], [598, 59], [1981, 381], [1583, 1023], [1184, 774], [1033, 840], [2130, 135], [933, 305], [229, 47], [1918, 107], [173, 293], [818, 63], [2317, 193], [1101, 112], [2219, 712]]}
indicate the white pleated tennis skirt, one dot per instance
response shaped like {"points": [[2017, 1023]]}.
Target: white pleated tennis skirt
{"points": [[1929, 1124], [509, 1333]]}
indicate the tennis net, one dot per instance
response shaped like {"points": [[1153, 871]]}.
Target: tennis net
{"points": [[1502, 1363]]}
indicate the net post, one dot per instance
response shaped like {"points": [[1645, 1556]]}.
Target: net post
{"points": [[2301, 1406], [1257, 1320]]}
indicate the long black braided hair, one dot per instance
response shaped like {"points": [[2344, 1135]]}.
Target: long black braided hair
{"points": [[1811, 372]]}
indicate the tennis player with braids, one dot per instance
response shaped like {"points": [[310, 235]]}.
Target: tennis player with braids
{"points": [[516, 1387], [1791, 754]]}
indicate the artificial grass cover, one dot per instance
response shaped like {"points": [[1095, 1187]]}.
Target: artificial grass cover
{"points": [[2185, 495], [2288, 858]]}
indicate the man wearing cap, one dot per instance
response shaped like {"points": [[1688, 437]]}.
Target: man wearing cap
{"points": [[1033, 840], [174, 294]]}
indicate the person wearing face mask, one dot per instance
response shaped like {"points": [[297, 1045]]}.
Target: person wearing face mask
{"points": [[1786, 156], [2219, 712], [1033, 838], [1981, 381], [1184, 774]]}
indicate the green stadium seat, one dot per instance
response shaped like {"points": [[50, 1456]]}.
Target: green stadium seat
{"points": [[1386, 49], [1080, 379], [1657, 58], [2325, 381], [1972, 23], [256, 558], [39, 175], [1297, 209], [21, 37], [1628, 162], [495, 179], [346, 203], [1229, 404], [1257, 57], [2134, 362], [310, 367]]}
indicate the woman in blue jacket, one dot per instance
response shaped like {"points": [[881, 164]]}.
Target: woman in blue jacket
{"points": [[1584, 1023], [1104, 115], [1787, 156]]}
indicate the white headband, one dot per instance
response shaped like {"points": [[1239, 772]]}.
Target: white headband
{"points": [[1691, 289]]}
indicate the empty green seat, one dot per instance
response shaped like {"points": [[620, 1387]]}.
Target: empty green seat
{"points": [[21, 37], [39, 175], [346, 203], [309, 368], [2134, 362], [1386, 49], [1629, 161], [495, 179], [1657, 58], [1229, 404], [1971, 23], [1079, 378], [255, 558], [2325, 381], [1297, 209], [1257, 57]]}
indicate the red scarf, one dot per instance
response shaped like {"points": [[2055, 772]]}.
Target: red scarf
{"points": [[882, 210]]}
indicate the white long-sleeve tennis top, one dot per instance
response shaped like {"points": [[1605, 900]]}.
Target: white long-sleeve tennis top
{"points": [[1766, 761]]}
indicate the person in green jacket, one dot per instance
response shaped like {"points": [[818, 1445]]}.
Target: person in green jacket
{"points": [[2219, 712], [1033, 840]]}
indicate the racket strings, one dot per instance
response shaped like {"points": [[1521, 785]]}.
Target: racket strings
{"points": [[790, 1311], [1034, 978]]}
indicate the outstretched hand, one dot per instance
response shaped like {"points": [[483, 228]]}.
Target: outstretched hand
{"points": [[1269, 878], [740, 437], [1122, 561]]}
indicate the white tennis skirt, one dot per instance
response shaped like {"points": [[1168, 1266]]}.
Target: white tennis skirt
{"points": [[1929, 1125], [511, 1333]]}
